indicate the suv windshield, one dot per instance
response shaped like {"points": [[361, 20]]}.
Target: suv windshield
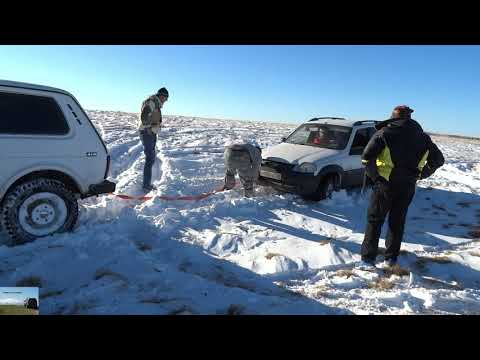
{"points": [[321, 135]]}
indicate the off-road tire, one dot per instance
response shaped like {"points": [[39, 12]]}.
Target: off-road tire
{"points": [[9, 216]]}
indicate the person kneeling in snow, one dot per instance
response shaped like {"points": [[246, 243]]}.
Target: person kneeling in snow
{"points": [[246, 159]]}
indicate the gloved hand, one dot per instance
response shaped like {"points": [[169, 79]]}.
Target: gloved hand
{"points": [[426, 172]]}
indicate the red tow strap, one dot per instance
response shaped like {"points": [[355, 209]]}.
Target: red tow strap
{"points": [[170, 198]]}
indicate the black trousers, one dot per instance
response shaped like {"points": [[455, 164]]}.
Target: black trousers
{"points": [[392, 199]]}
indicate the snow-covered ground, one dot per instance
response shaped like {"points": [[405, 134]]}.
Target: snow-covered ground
{"points": [[272, 254]]}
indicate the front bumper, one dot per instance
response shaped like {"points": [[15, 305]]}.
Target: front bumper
{"points": [[287, 180], [105, 187]]}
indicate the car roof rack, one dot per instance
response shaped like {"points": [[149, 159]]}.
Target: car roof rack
{"points": [[327, 117], [363, 122]]}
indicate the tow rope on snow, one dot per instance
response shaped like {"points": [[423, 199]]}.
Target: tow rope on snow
{"points": [[171, 198]]}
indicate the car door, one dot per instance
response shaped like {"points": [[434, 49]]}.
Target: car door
{"points": [[354, 176], [32, 128]]}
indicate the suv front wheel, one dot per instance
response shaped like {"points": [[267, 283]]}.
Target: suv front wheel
{"points": [[325, 189], [38, 208]]}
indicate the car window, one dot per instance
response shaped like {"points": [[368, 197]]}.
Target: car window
{"points": [[31, 115], [321, 135], [361, 138]]}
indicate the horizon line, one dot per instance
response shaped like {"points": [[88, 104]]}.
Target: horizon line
{"points": [[430, 132]]}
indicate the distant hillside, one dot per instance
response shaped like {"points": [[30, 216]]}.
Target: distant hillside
{"points": [[455, 136]]}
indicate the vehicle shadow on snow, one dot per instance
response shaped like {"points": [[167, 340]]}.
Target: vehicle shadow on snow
{"points": [[175, 275], [432, 212], [272, 221], [240, 283]]}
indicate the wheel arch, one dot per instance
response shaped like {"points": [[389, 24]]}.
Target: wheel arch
{"points": [[54, 174]]}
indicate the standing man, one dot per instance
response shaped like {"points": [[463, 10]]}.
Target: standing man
{"points": [[149, 126], [246, 159], [396, 156]]}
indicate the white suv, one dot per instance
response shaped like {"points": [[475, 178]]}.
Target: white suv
{"points": [[50, 156], [321, 156]]}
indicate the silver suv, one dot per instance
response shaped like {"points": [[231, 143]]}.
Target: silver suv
{"points": [[51, 155], [321, 156]]}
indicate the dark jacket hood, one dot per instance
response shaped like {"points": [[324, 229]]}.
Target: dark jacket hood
{"points": [[397, 123]]}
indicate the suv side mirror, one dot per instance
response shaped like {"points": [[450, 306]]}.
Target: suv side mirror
{"points": [[284, 139], [357, 150]]}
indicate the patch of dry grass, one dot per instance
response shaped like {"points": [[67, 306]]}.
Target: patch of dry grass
{"points": [[442, 284], [345, 272], [30, 281], [232, 281], [184, 310], [324, 242], [322, 291], [441, 208], [396, 270], [475, 253], [101, 273], [143, 247], [156, 300], [381, 284], [16, 310], [475, 233], [441, 260], [235, 309], [422, 261], [272, 255]]}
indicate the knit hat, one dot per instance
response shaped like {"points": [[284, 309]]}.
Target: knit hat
{"points": [[162, 92], [401, 111]]}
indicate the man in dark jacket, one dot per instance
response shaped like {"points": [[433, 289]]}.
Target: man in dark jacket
{"points": [[396, 156], [149, 125]]}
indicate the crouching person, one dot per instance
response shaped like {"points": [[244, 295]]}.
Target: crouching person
{"points": [[246, 160]]}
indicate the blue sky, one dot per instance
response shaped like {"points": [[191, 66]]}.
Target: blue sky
{"points": [[265, 83], [8, 294]]}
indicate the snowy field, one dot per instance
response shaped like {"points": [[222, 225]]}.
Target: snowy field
{"points": [[272, 254]]}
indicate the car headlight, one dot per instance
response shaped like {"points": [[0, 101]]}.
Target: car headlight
{"points": [[305, 168]]}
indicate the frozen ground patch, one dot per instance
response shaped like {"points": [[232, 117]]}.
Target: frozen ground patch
{"points": [[272, 254]]}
